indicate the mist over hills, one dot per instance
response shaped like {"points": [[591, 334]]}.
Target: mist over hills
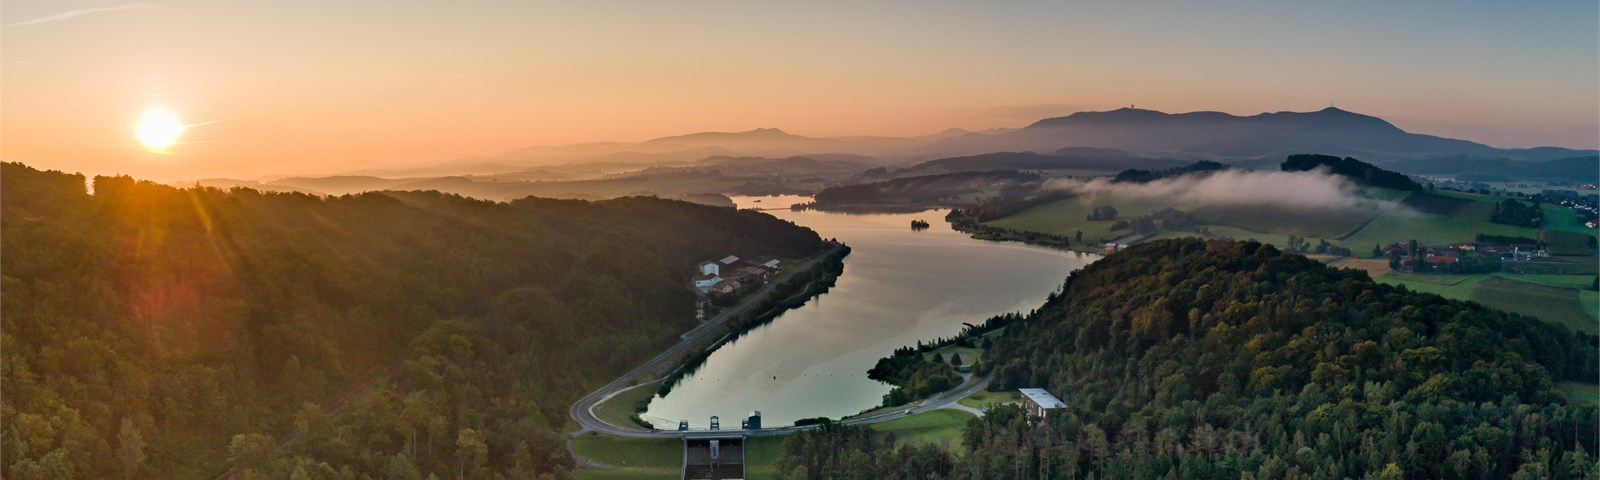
{"points": [[770, 160]]}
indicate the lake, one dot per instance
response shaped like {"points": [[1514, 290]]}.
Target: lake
{"points": [[899, 286]]}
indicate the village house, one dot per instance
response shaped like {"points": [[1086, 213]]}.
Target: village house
{"points": [[727, 285], [731, 272], [706, 280]]}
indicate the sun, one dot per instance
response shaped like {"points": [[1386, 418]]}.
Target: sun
{"points": [[159, 129]]}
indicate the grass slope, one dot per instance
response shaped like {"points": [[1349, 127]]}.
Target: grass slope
{"points": [[1553, 298], [984, 398], [761, 457], [1329, 224], [619, 409], [937, 426], [632, 458]]}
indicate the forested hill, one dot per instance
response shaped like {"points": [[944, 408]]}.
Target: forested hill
{"points": [[152, 332], [1360, 172], [1193, 359], [1274, 362]]}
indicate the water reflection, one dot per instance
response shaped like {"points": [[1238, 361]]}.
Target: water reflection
{"points": [[900, 285]]}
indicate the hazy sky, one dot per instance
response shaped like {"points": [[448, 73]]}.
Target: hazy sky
{"points": [[286, 87]]}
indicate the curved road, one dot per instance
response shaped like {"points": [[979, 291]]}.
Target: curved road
{"points": [[583, 410]]}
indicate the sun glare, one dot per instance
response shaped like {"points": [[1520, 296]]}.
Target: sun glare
{"points": [[159, 129]]}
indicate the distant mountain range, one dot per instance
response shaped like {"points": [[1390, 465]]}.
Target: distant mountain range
{"points": [[1267, 137], [1085, 141]]}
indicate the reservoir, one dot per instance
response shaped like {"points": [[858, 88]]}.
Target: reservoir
{"points": [[899, 286]]}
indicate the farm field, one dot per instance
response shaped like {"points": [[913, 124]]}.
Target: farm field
{"points": [[1551, 304], [1561, 299], [1066, 217], [1439, 223], [1561, 242], [1434, 218], [1589, 301], [1330, 224], [1458, 287], [1398, 225]]}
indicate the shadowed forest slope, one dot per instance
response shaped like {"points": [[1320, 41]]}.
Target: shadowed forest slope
{"points": [[153, 332]]}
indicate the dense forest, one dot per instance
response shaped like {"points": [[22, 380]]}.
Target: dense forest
{"points": [[1195, 359], [1360, 172], [155, 332], [1515, 213], [1134, 175]]}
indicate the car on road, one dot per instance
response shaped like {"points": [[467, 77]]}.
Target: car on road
{"points": [[908, 411]]}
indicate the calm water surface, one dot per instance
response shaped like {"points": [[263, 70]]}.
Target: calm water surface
{"points": [[899, 286]]}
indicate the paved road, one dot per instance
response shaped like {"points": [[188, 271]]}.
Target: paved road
{"points": [[583, 410]]}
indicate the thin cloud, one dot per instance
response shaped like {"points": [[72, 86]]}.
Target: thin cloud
{"points": [[1317, 190], [70, 14]]}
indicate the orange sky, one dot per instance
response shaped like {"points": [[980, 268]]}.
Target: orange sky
{"points": [[281, 88]]}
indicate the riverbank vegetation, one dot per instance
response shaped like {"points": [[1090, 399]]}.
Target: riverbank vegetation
{"points": [[154, 332], [793, 290], [1233, 359], [924, 370]]}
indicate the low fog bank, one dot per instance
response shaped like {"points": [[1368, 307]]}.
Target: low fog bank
{"points": [[1316, 190]]}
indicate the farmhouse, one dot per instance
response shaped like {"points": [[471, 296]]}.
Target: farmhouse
{"points": [[1440, 259], [710, 268], [726, 285]]}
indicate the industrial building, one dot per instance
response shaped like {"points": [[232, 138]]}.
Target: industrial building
{"points": [[713, 457]]}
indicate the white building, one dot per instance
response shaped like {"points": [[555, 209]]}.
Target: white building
{"points": [[1038, 402], [729, 261], [710, 268], [771, 265], [706, 281]]}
